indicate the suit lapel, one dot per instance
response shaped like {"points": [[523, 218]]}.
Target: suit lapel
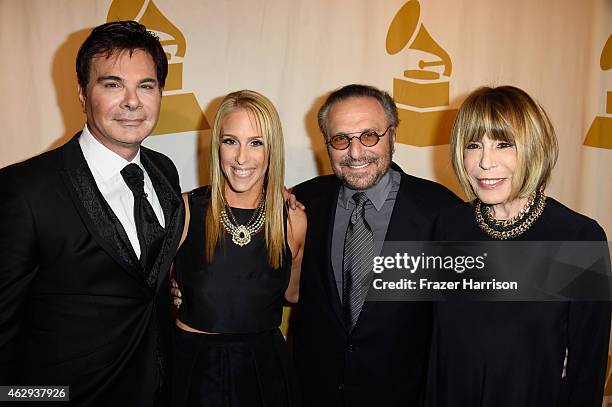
{"points": [[405, 225], [171, 204], [97, 216], [326, 208]]}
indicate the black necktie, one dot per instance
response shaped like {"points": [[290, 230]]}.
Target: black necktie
{"points": [[357, 261], [149, 231]]}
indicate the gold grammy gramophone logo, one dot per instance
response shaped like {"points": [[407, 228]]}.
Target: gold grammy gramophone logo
{"points": [[600, 132], [180, 110], [422, 95]]}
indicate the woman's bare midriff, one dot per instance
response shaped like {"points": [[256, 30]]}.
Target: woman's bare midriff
{"points": [[187, 328]]}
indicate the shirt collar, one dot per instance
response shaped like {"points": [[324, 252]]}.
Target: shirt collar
{"points": [[99, 158], [377, 193]]}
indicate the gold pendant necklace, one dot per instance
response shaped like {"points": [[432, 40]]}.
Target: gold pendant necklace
{"points": [[241, 234], [511, 228]]}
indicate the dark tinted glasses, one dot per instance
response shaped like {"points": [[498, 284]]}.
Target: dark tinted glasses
{"points": [[368, 138]]}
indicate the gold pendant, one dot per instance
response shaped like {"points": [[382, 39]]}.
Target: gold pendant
{"points": [[241, 236]]}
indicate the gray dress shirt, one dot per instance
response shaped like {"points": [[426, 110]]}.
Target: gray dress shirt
{"points": [[377, 212]]}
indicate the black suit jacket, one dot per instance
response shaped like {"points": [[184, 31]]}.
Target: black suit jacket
{"points": [[76, 308], [383, 361]]}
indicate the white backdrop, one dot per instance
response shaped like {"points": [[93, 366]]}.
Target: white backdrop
{"points": [[297, 51]]}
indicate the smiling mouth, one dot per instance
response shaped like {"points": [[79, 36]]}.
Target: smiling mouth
{"points": [[358, 166], [130, 122], [242, 172], [490, 182]]}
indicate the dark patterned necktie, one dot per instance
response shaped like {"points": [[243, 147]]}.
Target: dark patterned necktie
{"points": [[357, 262], [150, 232]]}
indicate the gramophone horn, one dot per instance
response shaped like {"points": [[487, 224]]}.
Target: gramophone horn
{"points": [[403, 26], [606, 55], [424, 42], [152, 18], [124, 10]]}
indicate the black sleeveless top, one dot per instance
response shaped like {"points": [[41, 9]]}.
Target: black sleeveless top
{"points": [[239, 292]]}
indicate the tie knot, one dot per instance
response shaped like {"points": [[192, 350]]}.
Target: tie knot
{"points": [[360, 199], [134, 178]]}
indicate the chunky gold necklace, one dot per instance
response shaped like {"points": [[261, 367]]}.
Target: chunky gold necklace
{"points": [[517, 225], [241, 234]]}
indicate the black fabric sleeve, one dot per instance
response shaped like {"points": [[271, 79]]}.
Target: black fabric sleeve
{"points": [[18, 251], [588, 337]]}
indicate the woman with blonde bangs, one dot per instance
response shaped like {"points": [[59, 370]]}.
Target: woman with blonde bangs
{"points": [[239, 259], [538, 354]]}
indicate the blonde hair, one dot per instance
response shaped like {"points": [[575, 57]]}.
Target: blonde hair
{"points": [[269, 125], [506, 113]]}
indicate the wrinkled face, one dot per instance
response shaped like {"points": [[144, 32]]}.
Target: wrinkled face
{"points": [[243, 156], [490, 165], [122, 100], [360, 167]]}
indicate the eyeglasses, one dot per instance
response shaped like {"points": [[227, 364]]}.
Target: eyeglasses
{"points": [[368, 138]]}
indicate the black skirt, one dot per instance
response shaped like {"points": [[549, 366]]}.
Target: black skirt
{"points": [[237, 370]]}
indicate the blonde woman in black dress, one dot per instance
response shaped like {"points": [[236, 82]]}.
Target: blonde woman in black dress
{"points": [[239, 260], [512, 354]]}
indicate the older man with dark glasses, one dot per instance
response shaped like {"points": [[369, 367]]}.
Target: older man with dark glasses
{"points": [[350, 352], [368, 138]]}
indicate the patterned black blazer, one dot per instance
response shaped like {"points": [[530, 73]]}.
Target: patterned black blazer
{"points": [[76, 307]]}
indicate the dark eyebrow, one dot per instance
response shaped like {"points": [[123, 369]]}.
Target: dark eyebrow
{"points": [[119, 79], [109, 78], [148, 80]]}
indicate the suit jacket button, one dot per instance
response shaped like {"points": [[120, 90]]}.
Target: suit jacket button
{"points": [[350, 347], [341, 386]]}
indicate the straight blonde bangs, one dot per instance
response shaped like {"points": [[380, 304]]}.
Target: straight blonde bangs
{"points": [[268, 123], [506, 114]]}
